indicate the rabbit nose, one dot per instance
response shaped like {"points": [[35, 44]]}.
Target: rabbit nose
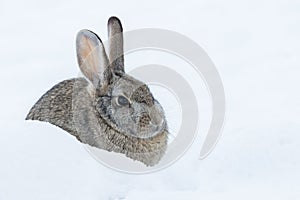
{"points": [[156, 119]]}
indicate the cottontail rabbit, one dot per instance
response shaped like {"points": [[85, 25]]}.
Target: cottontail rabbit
{"points": [[107, 108]]}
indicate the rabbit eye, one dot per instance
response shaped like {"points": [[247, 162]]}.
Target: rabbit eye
{"points": [[122, 101]]}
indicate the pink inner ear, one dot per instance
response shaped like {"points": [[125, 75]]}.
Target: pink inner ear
{"points": [[92, 59], [89, 57]]}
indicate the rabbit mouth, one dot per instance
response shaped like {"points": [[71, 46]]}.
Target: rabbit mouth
{"points": [[148, 131]]}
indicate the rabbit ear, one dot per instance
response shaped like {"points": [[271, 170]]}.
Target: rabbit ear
{"points": [[116, 51], [92, 59]]}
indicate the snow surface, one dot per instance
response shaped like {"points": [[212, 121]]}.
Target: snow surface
{"points": [[255, 46]]}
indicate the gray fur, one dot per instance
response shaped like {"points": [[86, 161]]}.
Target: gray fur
{"points": [[116, 50], [89, 109]]}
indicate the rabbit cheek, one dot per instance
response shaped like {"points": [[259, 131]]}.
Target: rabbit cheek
{"points": [[144, 121], [122, 118]]}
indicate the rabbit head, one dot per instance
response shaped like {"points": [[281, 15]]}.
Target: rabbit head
{"points": [[115, 111], [130, 108]]}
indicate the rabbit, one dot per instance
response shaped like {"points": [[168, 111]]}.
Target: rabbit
{"points": [[106, 108]]}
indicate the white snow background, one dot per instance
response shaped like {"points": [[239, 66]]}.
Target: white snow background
{"points": [[255, 46]]}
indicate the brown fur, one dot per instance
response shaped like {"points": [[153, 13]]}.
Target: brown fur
{"points": [[85, 107]]}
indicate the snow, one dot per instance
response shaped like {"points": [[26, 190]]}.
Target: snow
{"points": [[255, 46]]}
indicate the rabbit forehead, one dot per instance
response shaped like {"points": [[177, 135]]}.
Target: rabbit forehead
{"points": [[126, 85]]}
